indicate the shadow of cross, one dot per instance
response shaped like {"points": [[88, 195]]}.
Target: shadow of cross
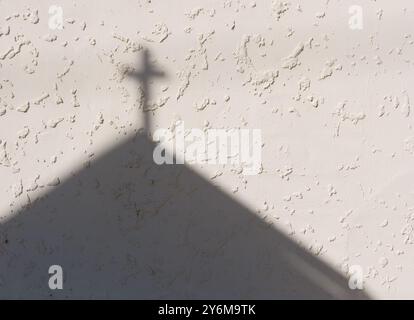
{"points": [[144, 77]]}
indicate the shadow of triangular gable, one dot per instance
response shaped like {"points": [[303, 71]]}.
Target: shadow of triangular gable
{"points": [[125, 227]]}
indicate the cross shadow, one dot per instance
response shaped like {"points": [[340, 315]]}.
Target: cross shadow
{"points": [[144, 78], [124, 227]]}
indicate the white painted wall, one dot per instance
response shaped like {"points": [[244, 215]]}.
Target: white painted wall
{"points": [[332, 101]]}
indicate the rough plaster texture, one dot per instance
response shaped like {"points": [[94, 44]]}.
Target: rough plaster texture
{"points": [[333, 104]]}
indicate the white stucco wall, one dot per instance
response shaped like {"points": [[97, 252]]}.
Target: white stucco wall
{"points": [[332, 101]]}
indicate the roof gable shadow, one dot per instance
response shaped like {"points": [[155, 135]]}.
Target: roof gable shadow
{"points": [[127, 228]]}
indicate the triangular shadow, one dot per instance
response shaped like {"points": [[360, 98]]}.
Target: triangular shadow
{"points": [[102, 228]]}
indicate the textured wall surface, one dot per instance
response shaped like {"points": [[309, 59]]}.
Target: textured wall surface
{"points": [[327, 82]]}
